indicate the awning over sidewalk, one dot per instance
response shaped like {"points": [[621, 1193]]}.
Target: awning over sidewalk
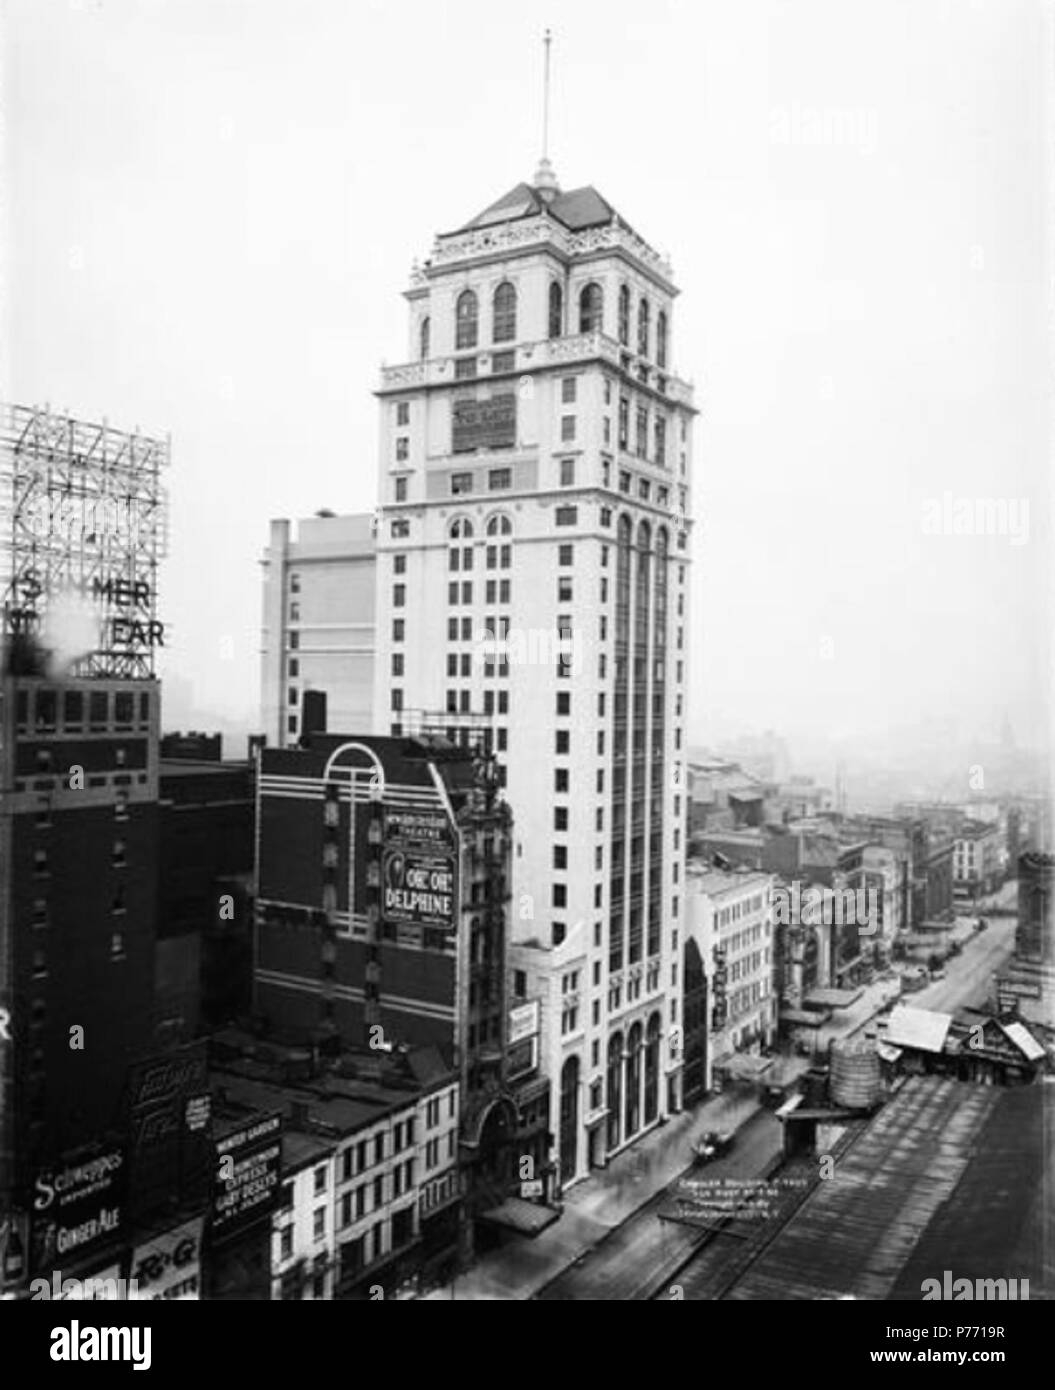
{"points": [[526, 1218], [745, 1066], [808, 1018], [822, 998]]}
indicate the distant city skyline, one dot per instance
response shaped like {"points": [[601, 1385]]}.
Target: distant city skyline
{"points": [[856, 228]]}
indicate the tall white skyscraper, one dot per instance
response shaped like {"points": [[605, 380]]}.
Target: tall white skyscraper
{"points": [[535, 467]]}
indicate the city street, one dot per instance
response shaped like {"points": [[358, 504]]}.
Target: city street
{"points": [[632, 1261], [610, 1242], [599, 1204], [969, 978]]}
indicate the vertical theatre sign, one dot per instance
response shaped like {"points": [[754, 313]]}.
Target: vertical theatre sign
{"points": [[417, 869], [248, 1165]]}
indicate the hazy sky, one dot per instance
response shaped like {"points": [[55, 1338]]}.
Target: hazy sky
{"points": [[212, 208]]}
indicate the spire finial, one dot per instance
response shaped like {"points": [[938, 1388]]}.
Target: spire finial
{"points": [[545, 178]]}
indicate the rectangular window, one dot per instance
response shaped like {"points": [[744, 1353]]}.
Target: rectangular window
{"points": [[461, 483], [399, 595], [566, 516], [73, 707], [397, 700], [563, 702], [499, 479], [402, 412], [563, 740], [402, 448], [567, 472], [398, 631], [567, 390], [401, 489], [565, 555], [560, 818], [567, 429], [319, 1225], [503, 361], [465, 368], [400, 530], [564, 588], [560, 779]]}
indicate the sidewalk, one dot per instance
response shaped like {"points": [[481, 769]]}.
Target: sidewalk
{"points": [[599, 1203]]}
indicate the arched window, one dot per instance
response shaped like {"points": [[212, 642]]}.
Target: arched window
{"points": [[499, 525], [591, 308], [624, 314], [504, 311], [466, 315], [556, 310], [642, 328], [661, 339], [460, 528], [424, 339]]}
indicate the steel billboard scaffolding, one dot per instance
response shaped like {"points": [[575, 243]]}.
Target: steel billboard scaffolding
{"points": [[83, 519]]}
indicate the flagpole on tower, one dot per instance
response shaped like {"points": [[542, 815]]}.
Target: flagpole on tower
{"points": [[545, 178]]}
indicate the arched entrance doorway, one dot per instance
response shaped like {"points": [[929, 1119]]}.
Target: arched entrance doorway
{"points": [[652, 1070], [615, 1090], [633, 1080], [569, 1119]]}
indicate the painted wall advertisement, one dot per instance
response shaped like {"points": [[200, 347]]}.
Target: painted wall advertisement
{"points": [[169, 1266], [170, 1148], [417, 869], [524, 1022], [76, 1206], [247, 1186], [490, 424]]}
